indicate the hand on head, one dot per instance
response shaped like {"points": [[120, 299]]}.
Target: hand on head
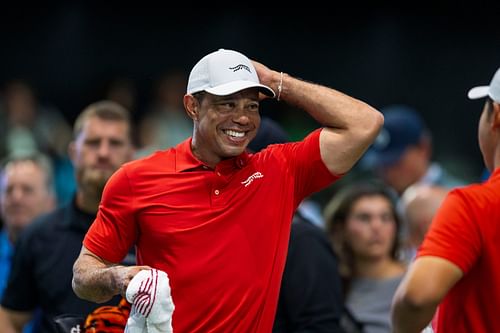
{"points": [[267, 77]]}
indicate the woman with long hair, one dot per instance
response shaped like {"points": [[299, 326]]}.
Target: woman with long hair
{"points": [[363, 225]]}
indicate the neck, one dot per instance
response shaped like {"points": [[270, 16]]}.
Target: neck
{"points": [[207, 158], [87, 203], [496, 158], [377, 269]]}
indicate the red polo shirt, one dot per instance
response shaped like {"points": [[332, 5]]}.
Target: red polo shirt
{"points": [[466, 232], [221, 235]]}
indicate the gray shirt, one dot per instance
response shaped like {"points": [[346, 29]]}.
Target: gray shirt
{"points": [[369, 301]]}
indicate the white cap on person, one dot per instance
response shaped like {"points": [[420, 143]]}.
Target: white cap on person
{"points": [[225, 72], [493, 90]]}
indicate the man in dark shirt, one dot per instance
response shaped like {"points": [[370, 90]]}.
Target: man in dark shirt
{"points": [[44, 256], [310, 296]]}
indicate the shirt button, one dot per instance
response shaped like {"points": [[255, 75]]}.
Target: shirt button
{"points": [[218, 173], [216, 192]]}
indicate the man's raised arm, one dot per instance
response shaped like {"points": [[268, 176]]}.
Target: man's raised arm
{"points": [[350, 124]]}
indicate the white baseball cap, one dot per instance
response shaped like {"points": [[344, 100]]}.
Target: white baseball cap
{"points": [[493, 90], [225, 72]]}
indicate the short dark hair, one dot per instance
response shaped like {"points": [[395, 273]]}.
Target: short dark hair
{"points": [[199, 96], [107, 110]]}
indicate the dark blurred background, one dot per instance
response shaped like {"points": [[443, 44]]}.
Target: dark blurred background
{"points": [[427, 57]]}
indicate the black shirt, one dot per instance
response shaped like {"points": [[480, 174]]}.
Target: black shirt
{"points": [[42, 267], [310, 296]]}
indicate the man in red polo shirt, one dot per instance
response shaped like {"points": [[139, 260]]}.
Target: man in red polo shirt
{"points": [[215, 218], [458, 264]]}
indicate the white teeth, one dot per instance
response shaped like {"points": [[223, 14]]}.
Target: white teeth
{"points": [[234, 133]]}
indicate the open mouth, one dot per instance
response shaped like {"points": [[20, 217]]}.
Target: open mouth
{"points": [[235, 137], [234, 134]]}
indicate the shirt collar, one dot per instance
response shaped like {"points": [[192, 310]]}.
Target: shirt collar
{"points": [[185, 159]]}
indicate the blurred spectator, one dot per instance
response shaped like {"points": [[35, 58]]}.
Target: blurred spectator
{"points": [[29, 126], [43, 259], [363, 224], [26, 191], [310, 297], [166, 123], [420, 202], [270, 132], [124, 92], [401, 154]]}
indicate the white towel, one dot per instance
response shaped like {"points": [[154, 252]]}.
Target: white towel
{"points": [[152, 305]]}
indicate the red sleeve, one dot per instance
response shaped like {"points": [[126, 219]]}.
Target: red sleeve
{"points": [[311, 173], [454, 234], [113, 231]]}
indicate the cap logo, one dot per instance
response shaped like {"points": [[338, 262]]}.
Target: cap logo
{"points": [[240, 66]]}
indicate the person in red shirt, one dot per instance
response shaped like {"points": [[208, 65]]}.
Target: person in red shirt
{"points": [[458, 264], [215, 218]]}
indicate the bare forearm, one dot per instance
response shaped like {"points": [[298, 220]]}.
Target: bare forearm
{"points": [[94, 281], [351, 125], [97, 280], [425, 285], [329, 107]]}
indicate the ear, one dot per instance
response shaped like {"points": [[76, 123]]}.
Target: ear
{"points": [[192, 106]]}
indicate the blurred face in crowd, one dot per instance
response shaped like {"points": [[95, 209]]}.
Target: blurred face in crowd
{"points": [[370, 229], [224, 125], [20, 104], [420, 204], [25, 194], [410, 167], [100, 148]]}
